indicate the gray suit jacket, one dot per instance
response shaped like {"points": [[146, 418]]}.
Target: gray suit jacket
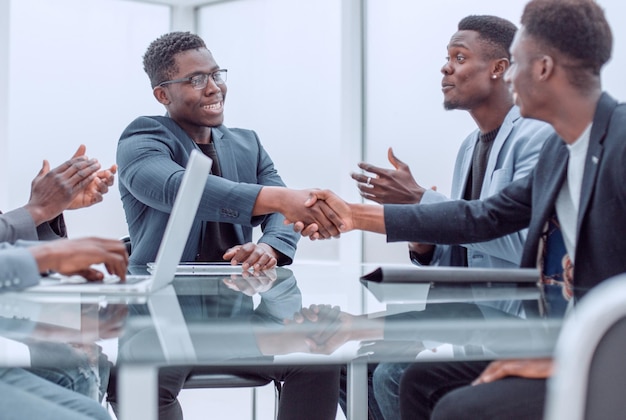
{"points": [[513, 155], [18, 224], [18, 268], [152, 153], [529, 202]]}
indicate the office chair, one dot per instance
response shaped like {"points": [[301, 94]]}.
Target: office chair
{"points": [[199, 378], [590, 377]]}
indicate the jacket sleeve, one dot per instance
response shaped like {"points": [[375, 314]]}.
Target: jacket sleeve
{"points": [[460, 221], [18, 224], [18, 269]]}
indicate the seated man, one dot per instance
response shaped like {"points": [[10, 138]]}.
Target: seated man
{"points": [[572, 204], [504, 148], [243, 190], [26, 395], [75, 184]]}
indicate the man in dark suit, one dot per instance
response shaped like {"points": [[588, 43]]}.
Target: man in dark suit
{"points": [[243, 190], [577, 188]]}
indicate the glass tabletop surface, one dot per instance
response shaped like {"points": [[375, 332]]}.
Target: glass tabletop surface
{"points": [[302, 314]]}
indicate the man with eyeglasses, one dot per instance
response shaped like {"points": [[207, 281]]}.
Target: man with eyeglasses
{"points": [[243, 190]]}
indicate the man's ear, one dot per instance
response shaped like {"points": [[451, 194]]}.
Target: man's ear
{"points": [[162, 95], [545, 67], [500, 66]]}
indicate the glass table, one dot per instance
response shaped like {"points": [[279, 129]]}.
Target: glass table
{"points": [[307, 314]]}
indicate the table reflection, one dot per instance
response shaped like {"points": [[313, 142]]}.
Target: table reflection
{"points": [[250, 318]]}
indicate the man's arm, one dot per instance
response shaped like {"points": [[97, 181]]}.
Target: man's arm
{"points": [[17, 224], [18, 268], [74, 184], [452, 222], [147, 170]]}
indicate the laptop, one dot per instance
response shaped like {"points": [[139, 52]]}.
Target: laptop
{"points": [[203, 269], [169, 253]]}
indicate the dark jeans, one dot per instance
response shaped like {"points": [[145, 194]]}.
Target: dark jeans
{"points": [[442, 391], [308, 392]]}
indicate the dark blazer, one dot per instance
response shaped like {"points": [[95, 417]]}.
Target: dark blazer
{"points": [[529, 202], [152, 154]]}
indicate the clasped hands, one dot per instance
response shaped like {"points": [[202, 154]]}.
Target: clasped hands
{"points": [[324, 215], [329, 215]]}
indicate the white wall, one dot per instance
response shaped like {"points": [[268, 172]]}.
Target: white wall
{"points": [[75, 77], [4, 96]]}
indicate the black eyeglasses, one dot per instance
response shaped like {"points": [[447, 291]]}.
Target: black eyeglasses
{"points": [[199, 81]]}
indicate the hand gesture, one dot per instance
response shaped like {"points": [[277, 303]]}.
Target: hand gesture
{"points": [[338, 206], [93, 192], [291, 204], [75, 256], [524, 368], [388, 186], [52, 191]]}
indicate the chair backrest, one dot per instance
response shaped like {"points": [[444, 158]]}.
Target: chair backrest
{"points": [[126, 241], [590, 377]]}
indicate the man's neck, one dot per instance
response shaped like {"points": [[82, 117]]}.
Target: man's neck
{"points": [[200, 135], [490, 115], [574, 115]]}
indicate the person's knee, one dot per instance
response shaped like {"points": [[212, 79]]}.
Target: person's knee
{"points": [[386, 377], [450, 408]]}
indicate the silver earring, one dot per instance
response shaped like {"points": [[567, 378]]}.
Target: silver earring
{"points": [[493, 76]]}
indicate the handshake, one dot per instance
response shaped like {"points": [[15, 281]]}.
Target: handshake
{"points": [[319, 214], [322, 214], [325, 215]]}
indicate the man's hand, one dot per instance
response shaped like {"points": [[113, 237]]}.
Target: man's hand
{"points": [[93, 192], [327, 327], [524, 368], [251, 283], [52, 191], [256, 256], [388, 186], [75, 256], [290, 203], [338, 206]]}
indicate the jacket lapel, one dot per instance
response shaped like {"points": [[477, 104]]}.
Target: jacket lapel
{"points": [[225, 153], [599, 127], [498, 143], [228, 163], [465, 168]]}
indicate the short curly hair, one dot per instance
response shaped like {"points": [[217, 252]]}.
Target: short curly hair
{"points": [[159, 62], [576, 29], [495, 32]]}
